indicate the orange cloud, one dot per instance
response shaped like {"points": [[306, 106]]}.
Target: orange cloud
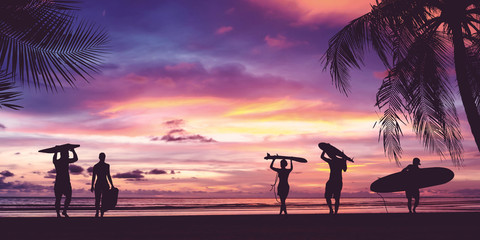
{"points": [[310, 12]]}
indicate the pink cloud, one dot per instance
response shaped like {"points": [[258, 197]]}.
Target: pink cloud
{"points": [[281, 41], [223, 30], [230, 11], [380, 75]]}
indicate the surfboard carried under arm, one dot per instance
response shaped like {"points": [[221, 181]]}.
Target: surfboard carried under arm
{"points": [[296, 159], [422, 178], [60, 148], [109, 199], [333, 151]]}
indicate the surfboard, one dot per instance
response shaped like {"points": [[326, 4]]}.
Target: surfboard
{"points": [[333, 151], [297, 159], [401, 181], [59, 148], [109, 199]]}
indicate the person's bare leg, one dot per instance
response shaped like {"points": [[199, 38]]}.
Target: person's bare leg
{"points": [[283, 207], [97, 202], [417, 200], [329, 204], [337, 204], [68, 199], [409, 204], [58, 198]]}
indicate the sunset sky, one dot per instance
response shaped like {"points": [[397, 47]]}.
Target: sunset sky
{"points": [[194, 94]]}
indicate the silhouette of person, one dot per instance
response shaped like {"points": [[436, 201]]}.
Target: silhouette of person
{"points": [[101, 171], [334, 185], [283, 187], [62, 179], [412, 191]]}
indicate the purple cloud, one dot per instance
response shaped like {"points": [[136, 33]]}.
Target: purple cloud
{"points": [[6, 173], [75, 169], [136, 174], [175, 123], [157, 171], [2, 126], [21, 186], [180, 135]]}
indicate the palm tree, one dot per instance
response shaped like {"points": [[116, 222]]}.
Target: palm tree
{"points": [[42, 45], [414, 39]]}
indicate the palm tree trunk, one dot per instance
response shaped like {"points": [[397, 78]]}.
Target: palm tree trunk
{"points": [[460, 58]]}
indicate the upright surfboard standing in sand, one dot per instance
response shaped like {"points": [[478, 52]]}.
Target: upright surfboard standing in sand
{"points": [[333, 151], [296, 159], [422, 178], [59, 148]]}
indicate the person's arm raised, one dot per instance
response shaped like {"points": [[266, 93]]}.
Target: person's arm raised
{"points": [[75, 157], [325, 158], [271, 166], [54, 157]]}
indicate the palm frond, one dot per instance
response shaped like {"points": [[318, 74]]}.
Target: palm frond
{"points": [[431, 100], [42, 44], [346, 50], [7, 93], [387, 28]]}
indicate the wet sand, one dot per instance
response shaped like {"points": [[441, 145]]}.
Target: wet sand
{"points": [[343, 226]]}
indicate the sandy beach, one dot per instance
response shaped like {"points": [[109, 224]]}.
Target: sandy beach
{"points": [[319, 226]]}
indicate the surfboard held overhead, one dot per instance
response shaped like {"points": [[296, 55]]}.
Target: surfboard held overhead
{"points": [[59, 148], [333, 151], [296, 159]]}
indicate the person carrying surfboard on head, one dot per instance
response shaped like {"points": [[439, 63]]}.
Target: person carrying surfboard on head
{"points": [[62, 179], [283, 187], [101, 170], [334, 185], [413, 190], [337, 161]]}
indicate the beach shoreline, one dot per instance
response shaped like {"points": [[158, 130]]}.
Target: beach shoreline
{"points": [[294, 226]]}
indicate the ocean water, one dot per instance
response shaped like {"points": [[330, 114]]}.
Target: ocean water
{"points": [[81, 207]]}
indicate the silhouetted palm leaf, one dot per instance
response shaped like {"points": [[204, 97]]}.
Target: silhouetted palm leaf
{"points": [[42, 44], [7, 95]]}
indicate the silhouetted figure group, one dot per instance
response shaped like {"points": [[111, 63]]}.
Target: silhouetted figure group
{"points": [[333, 186], [337, 161], [101, 171]]}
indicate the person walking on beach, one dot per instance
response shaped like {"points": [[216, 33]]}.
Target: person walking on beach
{"points": [[283, 187], [62, 179], [101, 171], [412, 191], [334, 184]]}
